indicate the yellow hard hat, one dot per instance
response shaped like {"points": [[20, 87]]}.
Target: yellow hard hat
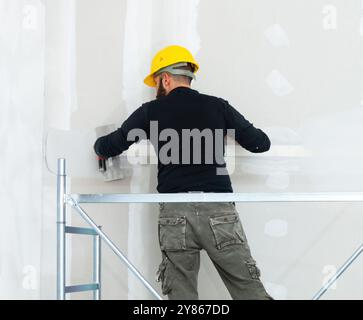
{"points": [[167, 57]]}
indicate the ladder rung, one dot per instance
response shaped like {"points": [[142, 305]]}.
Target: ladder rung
{"points": [[79, 230], [82, 287]]}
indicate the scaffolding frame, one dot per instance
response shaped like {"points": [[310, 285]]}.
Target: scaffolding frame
{"points": [[64, 199]]}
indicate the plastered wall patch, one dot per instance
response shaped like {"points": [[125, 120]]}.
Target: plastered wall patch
{"points": [[335, 153], [30, 17], [278, 180], [283, 135], [30, 278], [329, 17], [277, 36], [276, 228], [279, 85]]}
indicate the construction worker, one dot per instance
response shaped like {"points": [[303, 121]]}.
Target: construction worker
{"points": [[186, 228]]}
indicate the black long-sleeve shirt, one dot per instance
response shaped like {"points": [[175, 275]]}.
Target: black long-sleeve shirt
{"points": [[185, 108]]}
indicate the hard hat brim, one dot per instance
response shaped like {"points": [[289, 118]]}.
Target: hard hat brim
{"points": [[149, 80]]}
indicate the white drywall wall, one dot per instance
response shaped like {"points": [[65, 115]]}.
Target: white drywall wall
{"points": [[293, 68], [284, 67], [22, 42]]}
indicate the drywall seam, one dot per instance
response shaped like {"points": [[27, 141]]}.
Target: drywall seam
{"points": [[160, 23]]}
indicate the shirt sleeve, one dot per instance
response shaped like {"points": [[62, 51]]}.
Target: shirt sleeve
{"points": [[116, 142], [248, 136]]}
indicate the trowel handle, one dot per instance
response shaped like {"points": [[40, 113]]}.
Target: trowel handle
{"points": [[101, 164]]}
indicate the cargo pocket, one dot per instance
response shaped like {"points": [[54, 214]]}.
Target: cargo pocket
{"points": [[162, 275], [253, 269], [227, 230], [172, 233]]}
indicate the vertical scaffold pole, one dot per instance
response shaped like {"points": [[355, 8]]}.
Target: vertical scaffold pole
{"points": [[97, 265], [61, 221]]}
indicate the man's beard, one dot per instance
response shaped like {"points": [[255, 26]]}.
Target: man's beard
{"points": [[161, 90]]}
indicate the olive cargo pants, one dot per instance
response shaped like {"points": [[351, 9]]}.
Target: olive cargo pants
{"points": [[186, 228]]}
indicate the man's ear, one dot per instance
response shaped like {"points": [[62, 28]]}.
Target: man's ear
{"points": [[166, 79]]}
